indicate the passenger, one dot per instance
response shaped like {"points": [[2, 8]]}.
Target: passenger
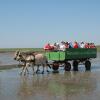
{"points": [[86, 45], [66, 45], [62, 46], [92, 45], [76, 45], [52, 46], [82, 45], [56, 46], [70, 45], [47, 47]]}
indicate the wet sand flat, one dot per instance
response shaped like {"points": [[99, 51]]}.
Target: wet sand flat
{"points": [[80, 85], [53, 86]]}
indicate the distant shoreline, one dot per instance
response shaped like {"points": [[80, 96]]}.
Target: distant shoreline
{"points": [[4, 50]]}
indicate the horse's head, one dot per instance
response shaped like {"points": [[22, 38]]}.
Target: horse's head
{"points": [[17, 56]]}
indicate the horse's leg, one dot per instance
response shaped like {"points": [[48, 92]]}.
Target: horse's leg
{"points": [[47, 68], [47, 65], [43, 69], [37, 69], [25, 69], [33, 68], [22, 70]]}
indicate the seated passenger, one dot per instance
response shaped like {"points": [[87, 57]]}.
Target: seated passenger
{"points": [[66, 45], [56, 46], [75, 45], [82, 45], [62, 46], [86, 45], [52, 46], [92, 45], [70, 45], [47, 47]]}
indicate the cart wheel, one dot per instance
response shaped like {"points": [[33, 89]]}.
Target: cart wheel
{"points": [[88, 65], [67, 66], [55, 66], [75, 65]]}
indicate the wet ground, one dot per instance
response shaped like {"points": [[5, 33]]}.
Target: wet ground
{"points": [[81, 85], [7, 58]]}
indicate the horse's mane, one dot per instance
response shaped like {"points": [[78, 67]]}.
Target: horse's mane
{"points": [[27, 53]]}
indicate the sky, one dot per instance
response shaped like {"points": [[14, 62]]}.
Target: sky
{"points": [[33, 23]]}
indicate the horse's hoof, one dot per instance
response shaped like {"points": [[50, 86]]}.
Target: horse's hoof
{"points": [[42, 72], [47, 71], [49, 67], [36, 72], [24, 74]]}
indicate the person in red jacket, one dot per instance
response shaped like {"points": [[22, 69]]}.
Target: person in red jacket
{"points": [[47, 47], [87, 45], [92, 45], [75, 45]]}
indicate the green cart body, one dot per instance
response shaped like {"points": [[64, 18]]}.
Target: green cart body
{"points": [[74, 54]]}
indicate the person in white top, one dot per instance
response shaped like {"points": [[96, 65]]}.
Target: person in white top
{"points": [[62, 46], [82, 45]]}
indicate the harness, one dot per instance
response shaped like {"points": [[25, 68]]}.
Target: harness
{"points": [[24, 59]]}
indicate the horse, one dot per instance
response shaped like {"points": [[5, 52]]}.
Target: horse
{"points": [[21, 61], [32, 59]]}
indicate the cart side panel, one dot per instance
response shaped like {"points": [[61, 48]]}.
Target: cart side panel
{"points": [[72, 54], [56, 55], [62, 56], [80, 53]]}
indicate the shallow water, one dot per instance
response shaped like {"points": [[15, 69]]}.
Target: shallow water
{"points": [[7, 58], [63, 85], [53, 86]]}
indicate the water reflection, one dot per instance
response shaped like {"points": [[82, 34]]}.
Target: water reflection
{"points": [[55, 86]]}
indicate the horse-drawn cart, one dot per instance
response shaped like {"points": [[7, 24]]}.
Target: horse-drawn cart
{"points": [[77, 56]]}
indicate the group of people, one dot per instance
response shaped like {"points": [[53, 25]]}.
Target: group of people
{"points": [[63, 45]]}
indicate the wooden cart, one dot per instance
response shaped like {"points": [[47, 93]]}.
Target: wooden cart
{"points": [[76, 55]]}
